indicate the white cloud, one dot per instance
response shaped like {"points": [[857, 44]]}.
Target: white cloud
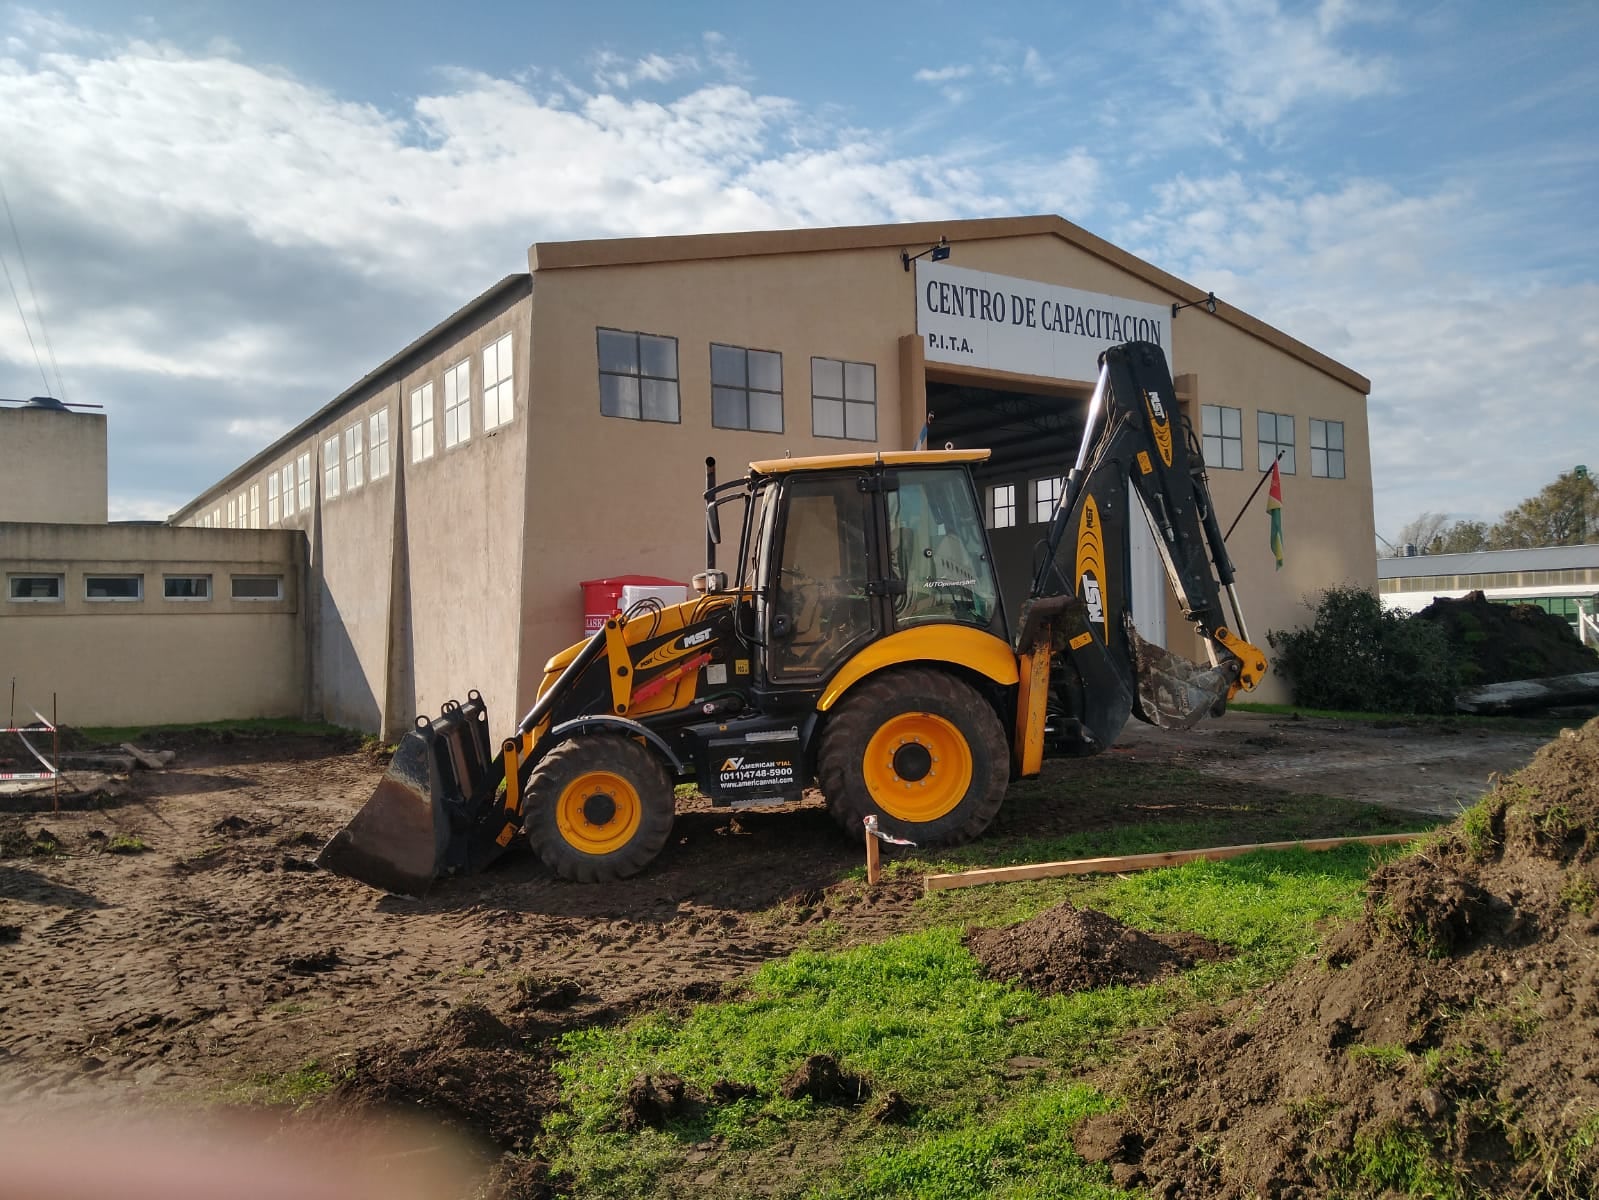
{"points": [[1466, 363], [943, 74], [612, 71], [223, 233]]}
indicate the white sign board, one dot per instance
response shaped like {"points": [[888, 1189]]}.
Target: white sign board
{"points": [[1003, 323]]}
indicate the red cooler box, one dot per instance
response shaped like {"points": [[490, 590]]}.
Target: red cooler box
{"points": [[602, 597]]}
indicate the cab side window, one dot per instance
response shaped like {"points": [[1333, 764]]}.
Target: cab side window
{"points": [[936, 548]]}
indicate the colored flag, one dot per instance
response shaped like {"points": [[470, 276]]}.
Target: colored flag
{"points": [[1274, 509]]}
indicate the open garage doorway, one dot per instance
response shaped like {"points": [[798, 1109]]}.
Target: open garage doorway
{"points": [[1034, 437]]}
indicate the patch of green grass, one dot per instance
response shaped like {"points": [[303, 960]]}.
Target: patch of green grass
{"points": [[1393, 1059], [1577, 892], [1398, 1160], [915, 1015], [1483, 825], [1023, 1150], [126, 843], [296, 1087]]}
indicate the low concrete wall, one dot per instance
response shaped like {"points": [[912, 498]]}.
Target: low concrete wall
{"points": [[153, 659]]}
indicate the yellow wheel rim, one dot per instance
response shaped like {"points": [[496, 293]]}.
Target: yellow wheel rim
{"points": [[598, 813], [918, 767]]}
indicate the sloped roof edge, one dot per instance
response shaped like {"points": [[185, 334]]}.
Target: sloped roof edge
{"points": [[637, 251]]}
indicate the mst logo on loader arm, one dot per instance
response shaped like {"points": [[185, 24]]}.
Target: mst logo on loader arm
{"points": [[1091, 564], [1159, 425]]}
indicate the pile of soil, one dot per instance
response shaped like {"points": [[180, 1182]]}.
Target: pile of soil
{"points": [[1503, 642], [1447, 1043], [473, 1073], [1068, 949]]}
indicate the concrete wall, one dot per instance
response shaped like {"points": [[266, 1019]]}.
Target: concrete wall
{"points": [[153, 660], [52, 466]]}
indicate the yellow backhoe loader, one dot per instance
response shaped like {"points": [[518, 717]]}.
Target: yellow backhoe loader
{"points": [[861, 643]]}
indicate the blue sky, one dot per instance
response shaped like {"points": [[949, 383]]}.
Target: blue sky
{"points": [[230, 211]]}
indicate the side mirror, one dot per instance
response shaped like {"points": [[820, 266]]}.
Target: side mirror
{"points": [[708, 583], [713, 522]]}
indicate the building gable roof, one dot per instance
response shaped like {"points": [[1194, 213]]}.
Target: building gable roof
{"points": [[637, 251]]}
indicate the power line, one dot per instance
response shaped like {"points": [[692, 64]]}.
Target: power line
{"points": [[33, 294], [25, 328]]}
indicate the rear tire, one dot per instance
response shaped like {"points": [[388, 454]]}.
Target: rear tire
{"points": [[599, 807], [921, 750]]}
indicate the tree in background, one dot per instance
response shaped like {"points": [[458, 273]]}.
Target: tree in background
{"points": [[1463, 537], [1565, 513]]}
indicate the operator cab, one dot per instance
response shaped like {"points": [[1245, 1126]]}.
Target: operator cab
{"points": [[841, 551]]}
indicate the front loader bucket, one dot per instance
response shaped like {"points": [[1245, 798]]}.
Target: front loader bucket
{"points": [[436, 810], [1174, 693]]}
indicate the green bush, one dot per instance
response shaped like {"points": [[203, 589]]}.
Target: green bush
{"points": [[1354, 655]]}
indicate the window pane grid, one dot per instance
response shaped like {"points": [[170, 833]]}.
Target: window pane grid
{"points": [[1275, 433], [458, 403], [378, 451], [1002, 506], [498, 391], [1046, 494], [843, 399], [1222, 436], [638, 376], [303, 470], [422, 422], [330, 468], [1327, 449], [746, 389], [353, 458]]}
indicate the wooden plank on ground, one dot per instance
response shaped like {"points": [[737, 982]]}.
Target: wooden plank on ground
{"points": [[1145, 862]]}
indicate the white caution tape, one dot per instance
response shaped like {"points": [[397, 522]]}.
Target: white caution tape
{"points": [[871, 828]]}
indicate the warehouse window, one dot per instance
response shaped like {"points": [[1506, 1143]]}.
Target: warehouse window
{"points": [[422, 422], [113, 587], [272, 498], [1002, 506], [746, 389], [216, 517], [330, 468], [1326, 449], [498, 391], [304, 471], [186, 587], [288, 490], [843, 399], [638, 376], [34, 587], [1223, 430], [1046, 494], [233, 513], [377, 454], [352, 457], [257, 587], [255, 506], [458, 403], [1276, 435]]}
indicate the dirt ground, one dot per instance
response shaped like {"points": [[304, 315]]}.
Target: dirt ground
{"points": [[218, 958]]}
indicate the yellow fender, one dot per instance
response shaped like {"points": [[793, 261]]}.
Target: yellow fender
{"points": [[959, 645]]}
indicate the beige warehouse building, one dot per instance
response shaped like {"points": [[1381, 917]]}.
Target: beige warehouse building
{"points": [[555, 430]]}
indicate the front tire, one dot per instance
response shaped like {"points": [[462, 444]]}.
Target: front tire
{"points": [[599, 808], [921, 750]]}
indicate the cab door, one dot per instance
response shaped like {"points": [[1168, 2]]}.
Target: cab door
{"points": [[820, 608]]}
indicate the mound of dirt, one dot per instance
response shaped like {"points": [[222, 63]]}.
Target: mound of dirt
{"points": [[1446, 1043], [1068, 949], [469, 1072], [1502, 642]]}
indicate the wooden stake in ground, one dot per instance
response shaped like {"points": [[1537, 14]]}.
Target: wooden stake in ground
{"points": [[1144, 862], [872, 852]]}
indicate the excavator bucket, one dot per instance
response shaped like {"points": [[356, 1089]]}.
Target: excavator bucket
{"points": [[1174, 693], [437, 809]]}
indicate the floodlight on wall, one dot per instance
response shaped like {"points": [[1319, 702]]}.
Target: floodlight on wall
{"points": [[1208, 300], [938, 253]]}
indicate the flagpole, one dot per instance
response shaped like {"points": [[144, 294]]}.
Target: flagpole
{"points": [[1264, 475]]}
